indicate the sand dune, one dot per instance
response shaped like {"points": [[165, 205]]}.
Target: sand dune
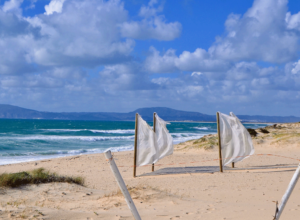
{"points": [[246, 192]]}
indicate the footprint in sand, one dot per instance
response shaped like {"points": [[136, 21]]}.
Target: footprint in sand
{"points": [[176, 217], [210, 208], [189, 213], [124, 217]]}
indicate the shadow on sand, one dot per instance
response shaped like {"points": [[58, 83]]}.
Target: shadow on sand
{"points": [[214, 169]]}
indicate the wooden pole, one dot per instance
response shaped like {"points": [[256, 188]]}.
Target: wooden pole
{"points": [[122, 185], [154, 122], [232, 164], [135, 144], [219, 140]]}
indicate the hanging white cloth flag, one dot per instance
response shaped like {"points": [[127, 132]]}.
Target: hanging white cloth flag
{"points": [[146, 144], [163, 137], [236, 142]]}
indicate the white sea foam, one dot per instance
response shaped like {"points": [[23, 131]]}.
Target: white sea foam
{"points": [[186, 138], [124, 138], [202, 128], [63, 130], [178, 138], [123, 148], [21, 159], [182, 137], [184, 134], [93, 151], [82, 138], [116, 131], [55, 154]]}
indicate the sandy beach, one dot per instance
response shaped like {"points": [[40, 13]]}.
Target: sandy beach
{"points": [[185, 185]]}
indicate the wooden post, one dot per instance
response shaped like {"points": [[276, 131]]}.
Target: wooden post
{"points": [[154, 122], [232, 164], [135, 144], [219, 140]]}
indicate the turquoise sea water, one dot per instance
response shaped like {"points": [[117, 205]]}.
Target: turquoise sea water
{"points": [[29, 140]]}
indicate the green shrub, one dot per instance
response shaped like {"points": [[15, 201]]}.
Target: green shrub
{"points": [[263, 130], [252, 132], [36, 176]]}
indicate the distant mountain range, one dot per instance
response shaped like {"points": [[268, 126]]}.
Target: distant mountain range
{"points": [[168, 114]]}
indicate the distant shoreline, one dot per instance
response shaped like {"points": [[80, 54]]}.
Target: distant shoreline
{"points": [[11, 112], [113, 149], [210, 122]]}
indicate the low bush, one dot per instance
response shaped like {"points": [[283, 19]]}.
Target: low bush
{"points": [[252, 132], [263, 130], [36, 176]]}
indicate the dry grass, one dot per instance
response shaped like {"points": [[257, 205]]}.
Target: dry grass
{"points": [[206, 142], [36, 176], [280, 133], [275, 132], [142, 192]]}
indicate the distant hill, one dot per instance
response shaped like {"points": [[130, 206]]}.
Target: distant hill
{"points": [[168, 114]]}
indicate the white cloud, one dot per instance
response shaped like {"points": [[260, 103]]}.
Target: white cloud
{"points": [[69, 38], [32, 4], [243, 71], [75, 57], [199, 60], [293, 21], [261, 34], [296, 68], [63, 39], [150, 10], [161, 64], [54, 6], [153, 26], [12, 5], [196, 73], [260, 82], [128, 76]]}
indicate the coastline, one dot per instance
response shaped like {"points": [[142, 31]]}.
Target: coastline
{"points": [[179, 137], [245, 192], [211, 122]]}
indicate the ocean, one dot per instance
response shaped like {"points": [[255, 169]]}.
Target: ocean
{"points": [[24, 140]]}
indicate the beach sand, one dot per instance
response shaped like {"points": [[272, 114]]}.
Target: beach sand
{"points": [[187, 192]]}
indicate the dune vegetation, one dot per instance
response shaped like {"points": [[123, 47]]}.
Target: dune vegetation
{"points": [[36, 176]]}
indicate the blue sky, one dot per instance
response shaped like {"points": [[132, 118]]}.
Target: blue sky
{"points": [[193, 55]]}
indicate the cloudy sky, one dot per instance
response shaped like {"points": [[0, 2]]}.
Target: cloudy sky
{"points": [[113, 55]]}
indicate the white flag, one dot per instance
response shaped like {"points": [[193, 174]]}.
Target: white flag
{"points": [[236, 142], [163, 137], [146, 144]]}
